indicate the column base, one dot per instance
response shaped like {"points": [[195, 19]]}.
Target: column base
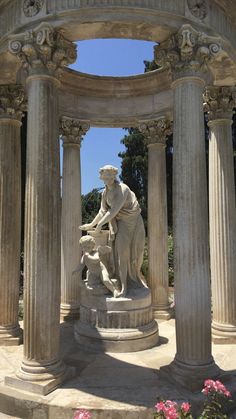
{"points": [[11, 336], [163, 312], [40, 379], [188, 376], [69, 312], [223, 333]]}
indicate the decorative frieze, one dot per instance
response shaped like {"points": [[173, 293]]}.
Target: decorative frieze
{"points": [[43, 50], [12, 101], [219, 102], [156, 131], [72, 130], [187, 52]]}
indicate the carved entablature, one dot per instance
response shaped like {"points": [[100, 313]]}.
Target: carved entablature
{"points": [[43, 50], [12, 102], [156, 131], [188, 52], [73, 130], [219, 102]]}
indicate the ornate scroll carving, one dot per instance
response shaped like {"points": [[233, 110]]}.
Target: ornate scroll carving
{"points": [[198, 8], [12, 101], [187, 52], [156, 131], [43, 50], [32, 7], [219, 102], [73, 130]]}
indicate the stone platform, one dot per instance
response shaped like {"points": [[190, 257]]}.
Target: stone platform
{"points": [[111, 385]]}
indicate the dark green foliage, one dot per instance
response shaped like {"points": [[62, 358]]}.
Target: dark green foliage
{"points": [[91, 205], [134, 167]]}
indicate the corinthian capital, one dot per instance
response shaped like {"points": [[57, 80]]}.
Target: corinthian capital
{"points": [[219, 102], [155, 132], [187, 52], [12, 102], [43, 50], [72, 130]]}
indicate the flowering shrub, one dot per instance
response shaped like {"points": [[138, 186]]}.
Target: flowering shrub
{"points": [[82, 414], [218, 399], [171, 410]]}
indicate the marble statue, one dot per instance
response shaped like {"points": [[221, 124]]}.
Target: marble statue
{"points": [[97, 278], [120, 209]]}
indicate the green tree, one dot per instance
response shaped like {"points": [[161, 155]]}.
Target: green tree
{"points": [[91, 205], [134, 166]]}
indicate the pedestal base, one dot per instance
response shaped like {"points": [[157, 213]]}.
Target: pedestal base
{"points": [[117, 324], [223, 333], [11, 336], [69, 312], [41, 380], [163, 313], [191, 377]]}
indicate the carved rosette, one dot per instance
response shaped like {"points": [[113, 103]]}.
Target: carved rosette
{"points": [[198, 8], [12, 102], [43, 50], [155, 132], [73, 130], [219, 102], [188, 52], [32, 7]]}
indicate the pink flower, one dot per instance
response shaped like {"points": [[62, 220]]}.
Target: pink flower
{"points": [[82, 414], [171, 413], [185, 407], [160, 407], [215, 386]]}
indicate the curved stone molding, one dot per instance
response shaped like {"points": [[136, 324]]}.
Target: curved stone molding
{"points": [[219, 102], [43, 50], [198, 8], [187, 52], [12, 102], [73, 130], [156, 131], [32, 7]]}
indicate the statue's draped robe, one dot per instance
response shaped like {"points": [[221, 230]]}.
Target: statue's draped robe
{"points": [[127, 231]]}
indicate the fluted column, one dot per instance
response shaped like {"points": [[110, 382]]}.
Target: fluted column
{"points": [[188, 53], [43, 52], [219, 102], [72, 132], [11, 111], [155, 133]]}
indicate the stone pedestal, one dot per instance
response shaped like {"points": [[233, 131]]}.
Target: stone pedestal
{"points": [[42, 370], [11, 107], [155, 133], [222, 213], [117, 324], [193, 361], [72, 132]]}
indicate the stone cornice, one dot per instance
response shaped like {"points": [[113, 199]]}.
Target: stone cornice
{"points": [[12, 102], [43, 50], [219, 102], [188, 52], [156, 131], [72, 130]]}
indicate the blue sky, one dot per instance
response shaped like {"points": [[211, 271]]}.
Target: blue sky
{"points": [[107, 57]]}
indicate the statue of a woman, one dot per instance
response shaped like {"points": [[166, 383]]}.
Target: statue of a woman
{"points": [[120, 208]]}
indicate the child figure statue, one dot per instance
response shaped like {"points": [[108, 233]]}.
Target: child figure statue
{"points": [[97, 273]]}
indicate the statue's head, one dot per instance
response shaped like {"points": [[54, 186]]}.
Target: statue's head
{"points": [[87, 243], [108, 174]]}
